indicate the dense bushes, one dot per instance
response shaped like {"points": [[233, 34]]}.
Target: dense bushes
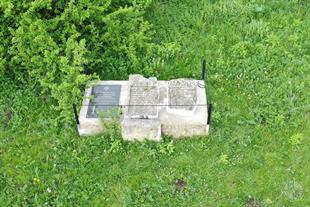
{"points": [[60, 45]]}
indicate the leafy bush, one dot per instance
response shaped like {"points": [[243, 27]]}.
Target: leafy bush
{"points": [[61, 45]]}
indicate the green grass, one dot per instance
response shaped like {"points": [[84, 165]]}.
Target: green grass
{"points": [[258, 62]]}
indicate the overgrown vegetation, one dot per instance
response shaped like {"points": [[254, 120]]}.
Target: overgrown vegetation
{"points": [[61, 45], [258, 78]]}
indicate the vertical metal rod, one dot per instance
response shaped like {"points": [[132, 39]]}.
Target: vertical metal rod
{"points": [[76, 114], [203, 70], [209, 114]]}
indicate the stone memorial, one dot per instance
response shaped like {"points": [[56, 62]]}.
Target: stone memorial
{"points": [[182, 95], [105, 101], [149, 108], [143, 97], [141, 116]]}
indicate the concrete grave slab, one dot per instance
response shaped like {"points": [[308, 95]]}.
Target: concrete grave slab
{"points": [[182, 122], [150, 109], [91, 124]]}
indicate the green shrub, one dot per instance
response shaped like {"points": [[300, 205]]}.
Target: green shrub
{"points": [[62, 45]]}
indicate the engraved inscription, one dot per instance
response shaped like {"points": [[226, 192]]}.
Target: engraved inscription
{"points": [[182, 94], [105, 101], [144, 97]]}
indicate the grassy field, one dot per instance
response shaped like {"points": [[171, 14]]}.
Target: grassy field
{"points": [[258, 152]]}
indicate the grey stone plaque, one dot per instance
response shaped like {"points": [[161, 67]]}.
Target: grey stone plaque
{"points": [[144, 97], [182, 94], [105, 101]]}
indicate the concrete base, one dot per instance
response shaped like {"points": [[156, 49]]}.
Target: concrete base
{"points": [[179, 123], [90, 127], [140, 129]]}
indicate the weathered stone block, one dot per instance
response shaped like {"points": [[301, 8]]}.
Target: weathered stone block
{"points": [[143, 97], [182, 94], [140, 129]]}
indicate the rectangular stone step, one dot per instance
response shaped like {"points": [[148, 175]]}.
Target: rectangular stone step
{"points": [[140, 129]]}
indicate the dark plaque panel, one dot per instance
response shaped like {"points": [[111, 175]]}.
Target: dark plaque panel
{"points": [[105, 101]]}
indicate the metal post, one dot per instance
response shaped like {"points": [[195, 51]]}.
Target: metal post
{"points": [[203, 70], [209, 113], [76, 114]]}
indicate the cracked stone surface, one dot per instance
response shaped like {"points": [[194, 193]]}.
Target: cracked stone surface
{"points": [[182, 94], [143, 97]]}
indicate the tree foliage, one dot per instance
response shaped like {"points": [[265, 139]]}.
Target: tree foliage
{"points": [[61, 45]]}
